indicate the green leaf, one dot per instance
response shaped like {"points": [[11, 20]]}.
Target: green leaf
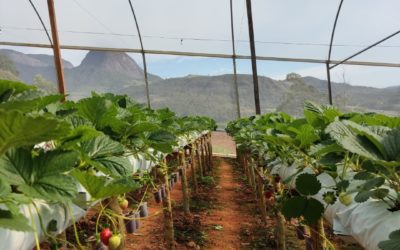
{"points": [[79, 134], [106, 155], [162, 136], [307, 135], [352, 142], [368, 132], [101, 187], [5, 188], [102, 146], [100, 111], [391, 144], [325, 148], [373, 183], [12, 221], [16, 87], [142, 127], [41, 177], [308, 184], [393, 243], [363, 196], [309, 208], [18, 130], [313, 211], [114, 165], [363, 176], [31, 100], [343, 185], [380, 193], [294, 207]]}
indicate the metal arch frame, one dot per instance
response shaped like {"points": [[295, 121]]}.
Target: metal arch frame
{"points": [[346, 60], [234, 62], [41, 21], [209, 55], [367, 48], [253, 57], [143, 55], [328, 71]]}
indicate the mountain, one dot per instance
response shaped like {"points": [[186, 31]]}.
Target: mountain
{"points": [[29, 65], [195, 94]]}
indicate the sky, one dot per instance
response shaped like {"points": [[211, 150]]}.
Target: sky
{"points": [[283, 28]]}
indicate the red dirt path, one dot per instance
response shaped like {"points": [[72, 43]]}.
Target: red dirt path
{"points": [[229, 215]]}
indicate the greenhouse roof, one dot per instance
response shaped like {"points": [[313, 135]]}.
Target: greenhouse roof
{"points": [[284, 30]]}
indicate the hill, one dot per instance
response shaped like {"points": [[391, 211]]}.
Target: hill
{"points": [[205, 95]]}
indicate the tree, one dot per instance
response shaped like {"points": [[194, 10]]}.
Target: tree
{"points": [[293, 76]]}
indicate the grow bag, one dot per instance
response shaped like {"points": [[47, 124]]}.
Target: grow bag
{"points": [[11, 239], [369, 222]]}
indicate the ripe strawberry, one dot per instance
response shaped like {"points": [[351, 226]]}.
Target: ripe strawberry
{"points": [[268, 194], [105, 235]]}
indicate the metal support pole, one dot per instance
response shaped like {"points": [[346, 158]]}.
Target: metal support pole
{"points": [[253, 57], [367, 48], [143, 55], [56, 47], [328, 72], [234, 63]]}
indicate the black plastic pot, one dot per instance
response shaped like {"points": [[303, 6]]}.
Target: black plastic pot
{"points": [[163, 191], [157, 196], [137, 219], [300, 231], [174, 177], [130, 225], [143, 210]]}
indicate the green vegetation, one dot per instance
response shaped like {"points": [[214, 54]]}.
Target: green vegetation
{"points": [[351, 148], [47, 147]]}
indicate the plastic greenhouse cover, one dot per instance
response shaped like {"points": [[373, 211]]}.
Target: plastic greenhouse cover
{"points": [[369, 222], [283, 28]]}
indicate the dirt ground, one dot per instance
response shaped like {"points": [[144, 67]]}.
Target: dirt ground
{"points": [[224, 214], [222, 225], [223, 145]]}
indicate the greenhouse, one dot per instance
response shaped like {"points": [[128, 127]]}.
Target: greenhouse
{"points": [[184, 124]]}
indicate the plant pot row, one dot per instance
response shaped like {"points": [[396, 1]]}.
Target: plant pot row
{"points": [[133, 223]]}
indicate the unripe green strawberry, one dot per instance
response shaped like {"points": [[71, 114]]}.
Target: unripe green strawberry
{"points": [[345, 198], [114, 242]]}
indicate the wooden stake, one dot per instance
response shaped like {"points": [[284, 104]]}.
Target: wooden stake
{"points": [[56, 47], [261, 197], [252, 177], [185, 193], [167, 207], [318, 235], [114, 205], [281, 232], [210, 153], [199, 158], [193, 168]]}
